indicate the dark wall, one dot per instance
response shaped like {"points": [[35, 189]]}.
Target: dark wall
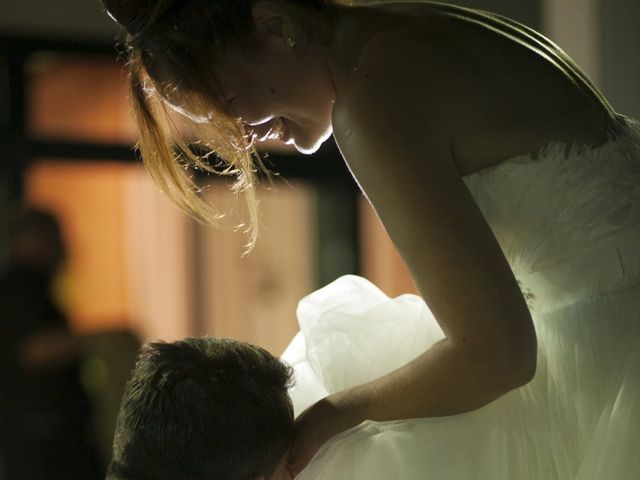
{"points": [[68, 19], [85, 18], [620, 54], [524, 11]]}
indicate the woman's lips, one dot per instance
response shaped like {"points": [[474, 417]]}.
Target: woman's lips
{"points": [[273, 130], [276, 131]]}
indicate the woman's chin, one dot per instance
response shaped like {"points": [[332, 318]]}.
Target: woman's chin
{"points": [[306, 150], [307, 146]]}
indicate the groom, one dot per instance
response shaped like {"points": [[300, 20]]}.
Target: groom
{"points": [[202, 409]]}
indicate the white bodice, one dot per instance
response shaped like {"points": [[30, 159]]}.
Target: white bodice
{"points": [[568, 221], [568, 217]]}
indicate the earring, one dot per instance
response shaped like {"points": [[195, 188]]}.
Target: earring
{"points": [[290, 42]]}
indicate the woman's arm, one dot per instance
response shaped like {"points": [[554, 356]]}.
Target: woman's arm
{"points": [[396, 133]]}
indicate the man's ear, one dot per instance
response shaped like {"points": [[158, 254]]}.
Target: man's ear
{"points": [[269, 18]]}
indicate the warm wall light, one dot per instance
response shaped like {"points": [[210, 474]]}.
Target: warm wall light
{"points": [[131, 255], [139, 263], [73, 97], [255, 298], [88, 199]]}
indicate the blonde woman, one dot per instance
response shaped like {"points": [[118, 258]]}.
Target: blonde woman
{"points": [[503, 176]]}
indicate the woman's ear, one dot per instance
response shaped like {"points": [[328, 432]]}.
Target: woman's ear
{"points": [[270, 18]]}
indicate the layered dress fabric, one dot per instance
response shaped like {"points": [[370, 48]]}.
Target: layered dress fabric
{"points": [[568, 221]]}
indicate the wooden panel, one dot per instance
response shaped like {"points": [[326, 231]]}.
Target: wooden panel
{"points": [[159, 261], [254, 298]]}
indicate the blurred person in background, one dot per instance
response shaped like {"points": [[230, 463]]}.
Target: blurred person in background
{"points": [[45, 415]]}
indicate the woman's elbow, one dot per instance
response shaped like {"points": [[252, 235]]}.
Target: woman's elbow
{"points": [[526, 373], [514, 364], [512, 374], [523, 360]]}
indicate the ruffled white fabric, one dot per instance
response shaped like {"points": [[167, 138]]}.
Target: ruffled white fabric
{"points": [[568, 217], [568, 220]]}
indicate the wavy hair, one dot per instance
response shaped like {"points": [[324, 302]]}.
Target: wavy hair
{"points": [[171, 46]]}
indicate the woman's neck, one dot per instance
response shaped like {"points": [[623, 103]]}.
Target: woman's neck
{"points": [[350, 31]]}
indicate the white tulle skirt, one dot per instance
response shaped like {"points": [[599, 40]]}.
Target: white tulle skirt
{"points": [[579, 419]]}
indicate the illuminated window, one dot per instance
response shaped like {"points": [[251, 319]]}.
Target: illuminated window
{"points": [[140, 264], [79, 98]]}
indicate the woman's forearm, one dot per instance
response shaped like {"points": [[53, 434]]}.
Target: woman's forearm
{"points": [[445, 380]]}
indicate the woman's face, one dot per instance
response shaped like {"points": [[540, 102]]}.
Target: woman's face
{"points": [[279, 93]]}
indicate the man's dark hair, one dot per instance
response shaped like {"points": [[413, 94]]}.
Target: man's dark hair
{"points": [[203, 408]]}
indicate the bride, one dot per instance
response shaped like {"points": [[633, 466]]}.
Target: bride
{"points": [[506, 181]]}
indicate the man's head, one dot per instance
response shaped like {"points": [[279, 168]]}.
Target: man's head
{"points": [[203, 408]]}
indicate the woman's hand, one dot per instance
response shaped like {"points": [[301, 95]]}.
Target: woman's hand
{"points": [[314, 427]]}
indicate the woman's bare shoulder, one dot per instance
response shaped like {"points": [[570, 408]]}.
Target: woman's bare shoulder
{"points": [[405, 72], [493, 97]]}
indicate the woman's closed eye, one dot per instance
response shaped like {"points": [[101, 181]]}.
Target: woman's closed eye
{"points": [[230, 107]]}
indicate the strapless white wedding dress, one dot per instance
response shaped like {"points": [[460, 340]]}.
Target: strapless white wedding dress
{"points": [[568, 221]]}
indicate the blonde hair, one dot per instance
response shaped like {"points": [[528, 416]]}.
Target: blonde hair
{"points": [[170, 46], [173, 163]]}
